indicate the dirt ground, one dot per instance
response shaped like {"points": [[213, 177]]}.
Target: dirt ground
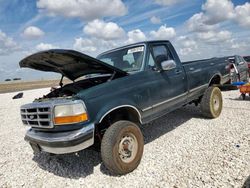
{"points": [[182, 149], [12, 86]]}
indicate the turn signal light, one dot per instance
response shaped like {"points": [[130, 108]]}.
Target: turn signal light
{"points": [[71, 119]]}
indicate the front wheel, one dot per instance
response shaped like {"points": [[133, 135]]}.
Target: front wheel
{"points": [[211, 102], [122, 147]]}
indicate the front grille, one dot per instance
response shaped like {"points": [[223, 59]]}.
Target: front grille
{"points": [[37, 117]]}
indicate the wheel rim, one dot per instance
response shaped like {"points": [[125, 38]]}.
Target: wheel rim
{"points": [[128, 148], [216, 102]]}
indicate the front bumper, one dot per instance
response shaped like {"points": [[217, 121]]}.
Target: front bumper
{"points": [[61, 142]]}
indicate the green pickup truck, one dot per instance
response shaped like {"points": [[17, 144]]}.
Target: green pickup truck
{"points": [[112, 96]]}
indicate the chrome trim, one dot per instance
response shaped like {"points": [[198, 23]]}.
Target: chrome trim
{"points": [[225, 79], [197, 88], [121, 106], [168, 65], [191, 68], [45, 104], [71, 149], [225, 76], [163, 102], [148, 108], [62, 150], [158, 104], [178, 96], [37, 116]]}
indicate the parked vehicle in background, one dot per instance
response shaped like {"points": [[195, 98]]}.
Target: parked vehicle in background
{"points": [[16, 79], [120, 91], [247, 59], [238, 69]]}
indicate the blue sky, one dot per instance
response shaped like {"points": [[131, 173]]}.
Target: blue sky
{"points": [[197, 28]]}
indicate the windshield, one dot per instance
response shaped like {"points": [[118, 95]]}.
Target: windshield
{"points": [[247, 58], [127, 59]]}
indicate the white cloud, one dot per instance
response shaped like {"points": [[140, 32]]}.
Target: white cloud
{"points": [[187, 42], [242, 13], [185, 51], [155, 20], [197, 23], [214, 36], [164, 32], [94, 46], [103, 30], [84, 9], [236, 44], [7, 44], [84, 45], [135, 36], [45, 46], [167, 2], [33, 32], [187, 45], [218, 11], [239, 45]]}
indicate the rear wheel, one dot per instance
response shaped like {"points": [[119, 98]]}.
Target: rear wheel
{"points": [[122, 147], [211, 102]]}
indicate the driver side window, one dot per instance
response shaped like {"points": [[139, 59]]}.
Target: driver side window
{"points": [[159, 51]]}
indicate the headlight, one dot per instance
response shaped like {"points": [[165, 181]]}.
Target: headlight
{"points": [[70, 113]]}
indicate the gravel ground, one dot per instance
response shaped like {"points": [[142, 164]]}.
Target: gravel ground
{"points": [[182, 150]]}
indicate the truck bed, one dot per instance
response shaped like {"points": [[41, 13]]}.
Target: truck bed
{"points": [[200, 71], [201, 60]]}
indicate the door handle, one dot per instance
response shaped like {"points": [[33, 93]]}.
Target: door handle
{"points": [[211, 63], [178, 71], [191, 68]]}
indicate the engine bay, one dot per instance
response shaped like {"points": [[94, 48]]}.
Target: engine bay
{"points": [[72, 89]]}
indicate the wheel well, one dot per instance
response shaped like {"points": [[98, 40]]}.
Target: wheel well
{"points": [[122, 113], [216, 80]]}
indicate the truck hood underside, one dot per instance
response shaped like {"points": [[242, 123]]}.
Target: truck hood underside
{"points": [[69, 63]]}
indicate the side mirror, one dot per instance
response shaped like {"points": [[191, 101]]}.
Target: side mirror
{"points": [[168, 65]]}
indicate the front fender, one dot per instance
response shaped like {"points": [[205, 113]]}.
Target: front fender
{"points": [[106, 109]]}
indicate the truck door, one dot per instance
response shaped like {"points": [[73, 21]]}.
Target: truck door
{"points": [[168, 89]]}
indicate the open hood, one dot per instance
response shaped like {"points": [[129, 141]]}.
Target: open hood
{"points": [[70, 63]]}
